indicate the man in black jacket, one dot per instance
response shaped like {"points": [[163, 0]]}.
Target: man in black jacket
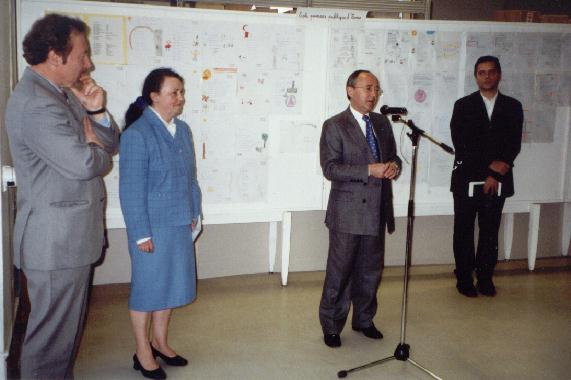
{"points": [[486, 129]]}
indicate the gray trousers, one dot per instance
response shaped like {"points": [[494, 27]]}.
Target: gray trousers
{"points": [[353, 275], [58, 300]]}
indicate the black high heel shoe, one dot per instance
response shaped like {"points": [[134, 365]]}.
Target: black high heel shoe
{"points": [[158, 373], [175, 361]]}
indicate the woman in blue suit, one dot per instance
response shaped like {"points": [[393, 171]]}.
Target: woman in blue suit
{"points": [[160, 200]]}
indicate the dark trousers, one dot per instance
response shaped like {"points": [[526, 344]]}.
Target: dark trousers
{"points": [[58, 300], [483, 260], [353, 274]]}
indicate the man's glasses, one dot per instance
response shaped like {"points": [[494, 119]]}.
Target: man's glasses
{"points": [[369, 89]]}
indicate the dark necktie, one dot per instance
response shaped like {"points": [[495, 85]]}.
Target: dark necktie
{"points": [[65, 96], [371, 138]]}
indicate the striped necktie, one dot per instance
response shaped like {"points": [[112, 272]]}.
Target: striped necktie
{"points": [[371, 140]]}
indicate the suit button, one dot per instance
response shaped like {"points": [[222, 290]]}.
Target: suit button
{"points": [[364, 201], [364, 183]]}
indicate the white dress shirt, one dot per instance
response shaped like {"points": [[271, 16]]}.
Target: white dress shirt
{"points": [[171, 127], [359, 116], [490, 103]]}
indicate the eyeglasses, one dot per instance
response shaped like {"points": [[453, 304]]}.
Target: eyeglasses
{"points": [[377, 89]]}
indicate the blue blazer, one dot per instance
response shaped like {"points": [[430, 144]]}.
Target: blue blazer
{"points": [[157, 176]]}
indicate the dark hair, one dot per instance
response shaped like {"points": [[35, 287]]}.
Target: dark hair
{"points": [[352, 80], [51, 32], [153, 83], [488, 58]]}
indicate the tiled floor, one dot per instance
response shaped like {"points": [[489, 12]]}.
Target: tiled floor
{"points": [[249, 327]]}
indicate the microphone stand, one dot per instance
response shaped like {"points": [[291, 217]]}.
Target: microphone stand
{"points": [[402, 352]]}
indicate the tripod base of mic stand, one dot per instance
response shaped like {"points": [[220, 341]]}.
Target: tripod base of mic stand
{"points": [[402, 353]]}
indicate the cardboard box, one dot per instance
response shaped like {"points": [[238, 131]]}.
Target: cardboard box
{"points": [[516, 16], [237, 7], [266, 9], [209, 6], [555, 19]]}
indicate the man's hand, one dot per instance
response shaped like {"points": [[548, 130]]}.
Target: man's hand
{"points": [[491, 186], [499, 167], [393, 171], [90, 136], [146, 246], [387, 170], [90, 94]]}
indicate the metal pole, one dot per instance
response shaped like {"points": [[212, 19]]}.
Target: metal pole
{"points": [[402, 351]]}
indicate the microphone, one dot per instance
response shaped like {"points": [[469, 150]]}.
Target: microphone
{"points": [[393, 110]]}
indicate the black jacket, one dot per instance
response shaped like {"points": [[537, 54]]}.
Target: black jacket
{"points": [[478, 140]]}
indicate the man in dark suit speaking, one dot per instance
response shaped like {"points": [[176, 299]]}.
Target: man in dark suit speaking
{"points": [[358, 155], [486, 129]]}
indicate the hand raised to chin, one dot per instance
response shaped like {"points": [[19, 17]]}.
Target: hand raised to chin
{"points": [[89, 93]]}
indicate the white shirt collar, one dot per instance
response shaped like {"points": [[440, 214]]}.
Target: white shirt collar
{"points": [[359, 117], [489, 103], [171, 127]]}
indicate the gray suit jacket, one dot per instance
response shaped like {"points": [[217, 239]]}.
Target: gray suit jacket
{"points": [[61, 195], [358, 204]]}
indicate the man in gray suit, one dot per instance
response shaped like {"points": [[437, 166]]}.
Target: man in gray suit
{"points": [[61, 139], [358, 155]]}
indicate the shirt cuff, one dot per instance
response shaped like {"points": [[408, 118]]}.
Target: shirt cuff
{"points": [[143, 240], [197, 229], [497, 176], [106, 121]]}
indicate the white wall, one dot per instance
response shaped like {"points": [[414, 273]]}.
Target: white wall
{"points": [[225, 250], [7, 308]]}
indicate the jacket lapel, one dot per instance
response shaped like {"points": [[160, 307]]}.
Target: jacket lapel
{"points": [[67, 99], [354, 130], [158, 126], [179, 129], [74, 104], [379, 128], [43, 82], [480, 106], [498, 108]]}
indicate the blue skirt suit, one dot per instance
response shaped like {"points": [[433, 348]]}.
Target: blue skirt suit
{"points": [[160, 197]]}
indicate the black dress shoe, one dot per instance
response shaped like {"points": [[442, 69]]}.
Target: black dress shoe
{"points": [[154, 374], [486, 288], [369, 332], [332, 340], [467, 289], [175, 361]]}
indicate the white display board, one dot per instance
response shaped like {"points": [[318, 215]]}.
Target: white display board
{"points": [[426, 66], [259, 87]]}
